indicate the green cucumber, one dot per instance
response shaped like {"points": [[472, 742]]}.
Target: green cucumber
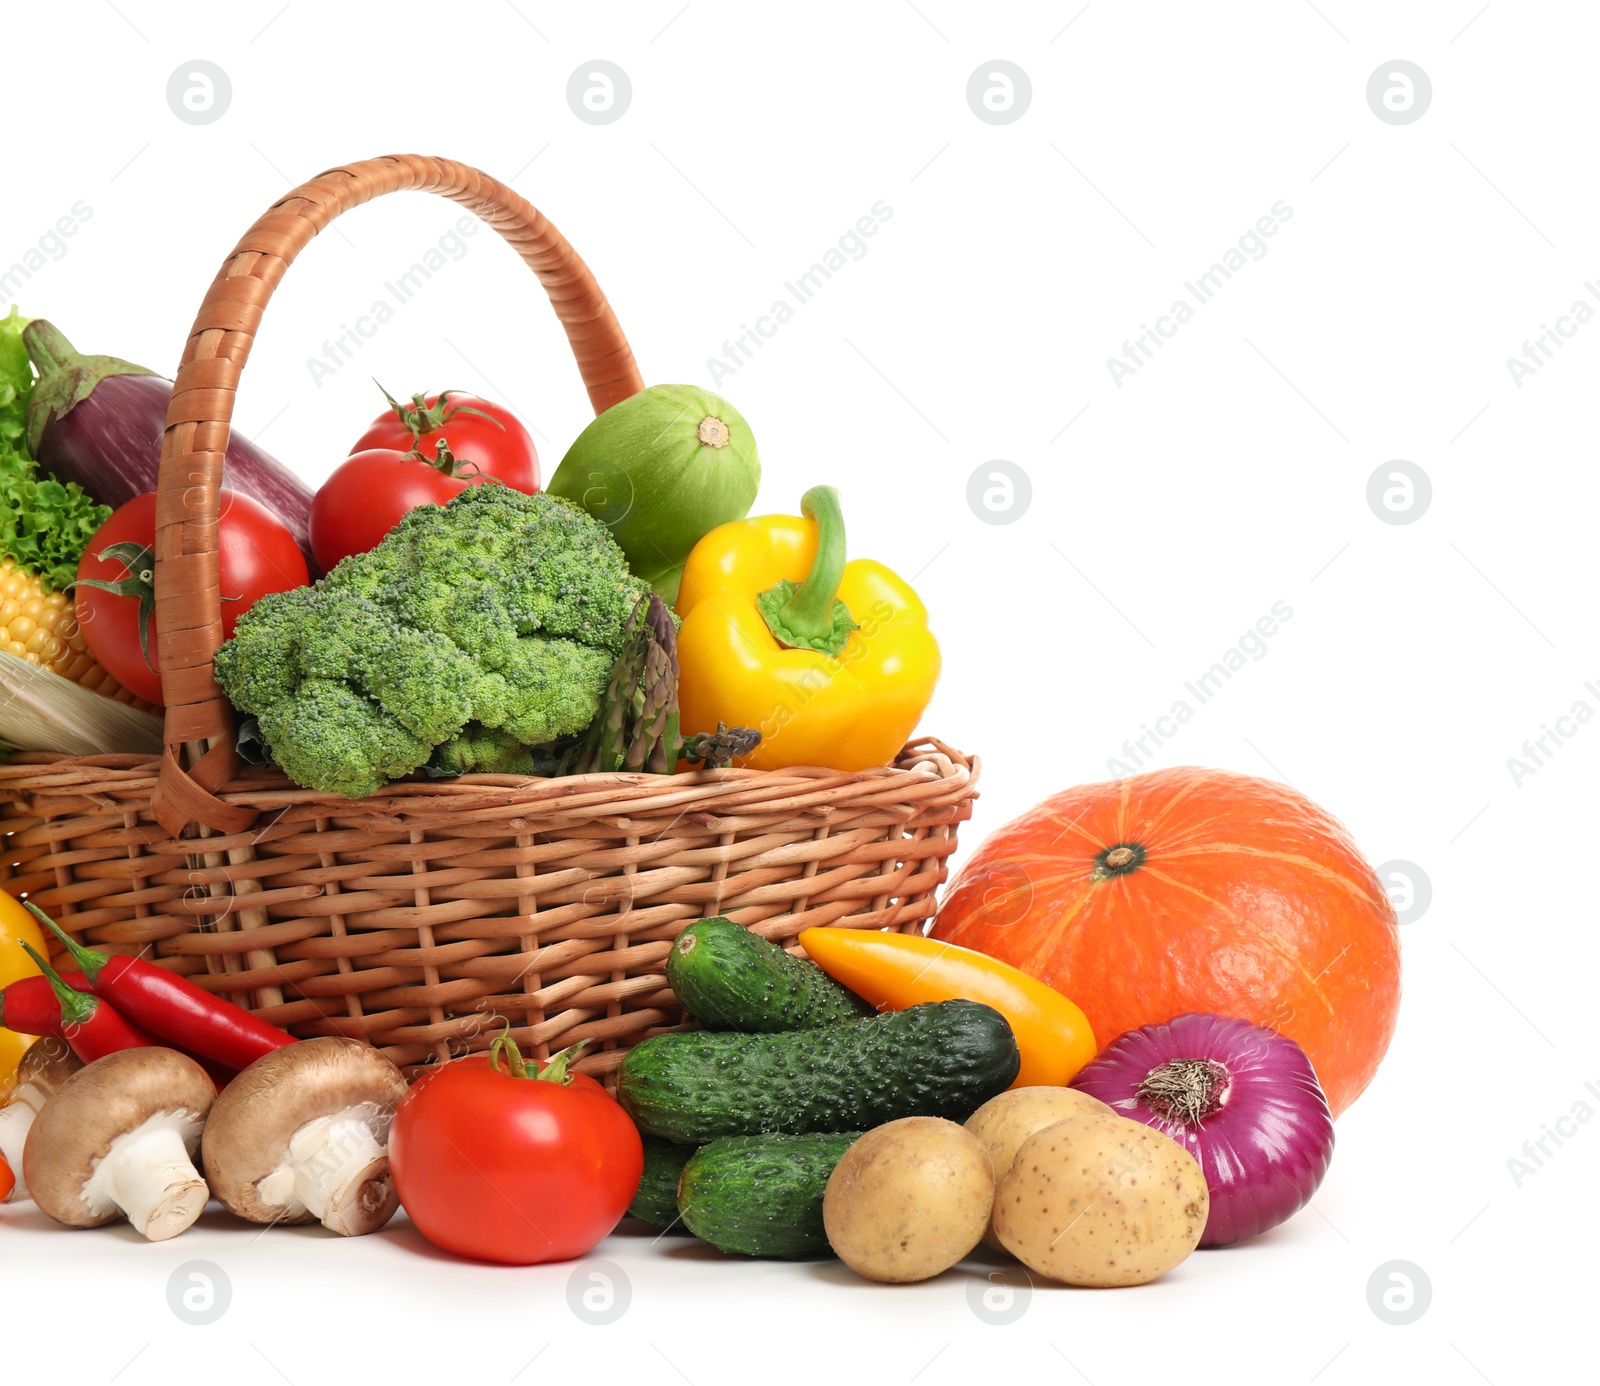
{"points": [[656, 1201], [762, 1195], [943, 1058], [731, 979]]}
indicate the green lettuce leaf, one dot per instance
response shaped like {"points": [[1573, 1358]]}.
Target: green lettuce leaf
{"points": [[44, 525], [16, 380]]}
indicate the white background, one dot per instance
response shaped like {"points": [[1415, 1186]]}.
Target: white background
{"points": [[1167, 515]]}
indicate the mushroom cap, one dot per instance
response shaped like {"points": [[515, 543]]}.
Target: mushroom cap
{"points": [[48, 1063], [257, 1114], [101, 1101]]}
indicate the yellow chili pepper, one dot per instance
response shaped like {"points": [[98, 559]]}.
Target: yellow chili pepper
{"points": [[831, 661], [894, 971], [16, 928]]}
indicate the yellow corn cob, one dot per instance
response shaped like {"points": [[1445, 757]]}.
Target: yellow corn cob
{"points": [[42, 628]]}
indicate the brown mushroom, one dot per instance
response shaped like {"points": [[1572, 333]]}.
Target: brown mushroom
{"points": [[47, 1064], [302, 1135], [119, 1139]]}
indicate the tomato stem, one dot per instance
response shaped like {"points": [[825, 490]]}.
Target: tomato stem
{"points": [[419, 417], [555, 1071], [140, 565]]}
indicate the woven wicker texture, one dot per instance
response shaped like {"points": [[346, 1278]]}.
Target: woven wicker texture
{"points": [[426, 918], [422, 919]]}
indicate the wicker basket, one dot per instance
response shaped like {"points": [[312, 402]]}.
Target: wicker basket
{"points": [[423, 918]]}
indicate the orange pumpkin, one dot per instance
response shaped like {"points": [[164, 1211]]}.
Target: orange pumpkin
{"points": [[1193, 890]]}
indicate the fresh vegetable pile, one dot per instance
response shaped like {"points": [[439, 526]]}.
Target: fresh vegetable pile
{"points": [[134, 1068], [474, 633], [78, 435], [464, 622], [891, 1099], [45, 523], [798, 1124]]}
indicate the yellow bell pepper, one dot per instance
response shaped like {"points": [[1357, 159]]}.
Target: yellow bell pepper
{"points": [[16, 928], [831, 661], [894, 971]]}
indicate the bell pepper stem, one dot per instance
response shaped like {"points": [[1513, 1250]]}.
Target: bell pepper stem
{"points": [[811, 616], [810, 610]]}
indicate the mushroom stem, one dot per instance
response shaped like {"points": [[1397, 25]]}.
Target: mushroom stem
{"points": [[336, 1170], [15, 1119], [149, 1174]]}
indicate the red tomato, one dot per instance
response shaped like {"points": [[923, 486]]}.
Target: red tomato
{"points": [[421, 453], [256, 555], [519, 1170], [8, 1181], [484, 437], [367, 496]]}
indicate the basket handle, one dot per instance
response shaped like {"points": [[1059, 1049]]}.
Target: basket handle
{"points": [[199, 721]]}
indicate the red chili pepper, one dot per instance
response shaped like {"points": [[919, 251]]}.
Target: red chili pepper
{"points": [[173, 1007], [87, 1023], [29, 1006]]}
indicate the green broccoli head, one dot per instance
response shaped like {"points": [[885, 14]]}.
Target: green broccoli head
{"points": [[331, 738], [483, 750], [500, 610], [259, 667]]}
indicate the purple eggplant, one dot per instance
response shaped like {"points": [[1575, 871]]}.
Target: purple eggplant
{"points": [[98, 421]]}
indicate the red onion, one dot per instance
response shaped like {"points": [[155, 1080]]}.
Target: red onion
{"points": [[1242, 1099]]}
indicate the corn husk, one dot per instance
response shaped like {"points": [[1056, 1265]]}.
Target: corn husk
{"points": [[41, 711]]}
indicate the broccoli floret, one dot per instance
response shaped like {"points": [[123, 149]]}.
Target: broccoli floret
{"points": [[479, 748], [329, 737], [474, 631], [558, 685], [260, 665]]}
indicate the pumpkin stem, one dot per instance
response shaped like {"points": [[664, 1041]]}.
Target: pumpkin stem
{"points": [[1118, 860], [1185, 1091]]}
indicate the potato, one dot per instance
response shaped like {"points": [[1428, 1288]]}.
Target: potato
{"points": [[909, 1199], [1101, 1200], [1004, 1122]]}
